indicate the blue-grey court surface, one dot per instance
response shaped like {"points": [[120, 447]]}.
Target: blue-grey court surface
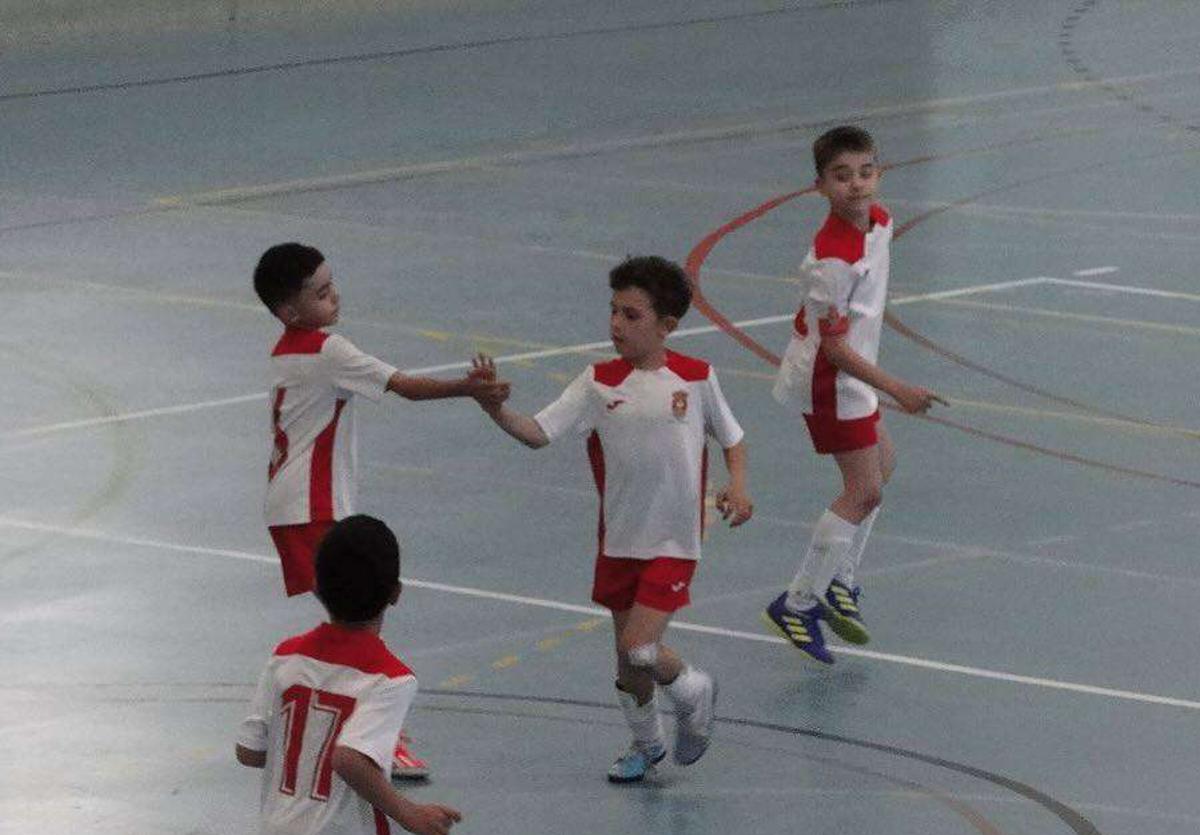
{"points": [[472, 170]]}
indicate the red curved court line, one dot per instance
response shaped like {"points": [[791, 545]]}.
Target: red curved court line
{"points": [[699, 254]]}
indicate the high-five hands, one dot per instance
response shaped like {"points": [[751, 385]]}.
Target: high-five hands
{"points": [[488, 391]]}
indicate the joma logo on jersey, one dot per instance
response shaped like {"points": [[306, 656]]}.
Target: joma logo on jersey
{"points": [[613, 405], [679, 403]]}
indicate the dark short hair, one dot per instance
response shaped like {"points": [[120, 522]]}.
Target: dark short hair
{"points": [[839, 139], [281, 272], [664, 281], [358, 567]]}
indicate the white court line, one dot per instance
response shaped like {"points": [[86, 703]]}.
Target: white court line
{"points": [[905, 660], [1095, 271], [1124, 288], [461, 365]]}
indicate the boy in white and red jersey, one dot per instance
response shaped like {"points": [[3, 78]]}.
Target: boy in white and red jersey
{"points": [[829, 374], [647, 416], [330, 703], [312, 478]]}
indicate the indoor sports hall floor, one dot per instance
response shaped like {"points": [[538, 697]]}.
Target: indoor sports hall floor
{"points": [[471, 174]]}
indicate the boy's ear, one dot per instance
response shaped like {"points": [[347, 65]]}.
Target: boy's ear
{"points": [[287, 313], [668, 323]]}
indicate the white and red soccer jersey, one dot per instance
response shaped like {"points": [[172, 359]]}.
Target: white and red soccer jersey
{"points": [[331, 686], [843, 289], [315, 375], [647, 448]]}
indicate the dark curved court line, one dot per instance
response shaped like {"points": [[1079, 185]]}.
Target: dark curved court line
{"points": [[382, 55], [965, 810], [1077, 822], [1066, 45]]}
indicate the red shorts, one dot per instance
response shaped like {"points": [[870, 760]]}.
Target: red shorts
{"points": [[832, 435], [660, 583], [297, 547]]}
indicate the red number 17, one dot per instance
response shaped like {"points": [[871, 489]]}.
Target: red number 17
{"points": [[297, 702]]}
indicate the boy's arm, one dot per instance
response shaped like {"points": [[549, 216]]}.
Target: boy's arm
{"points": [[430, 388], [733, 501], [249, 757], [912, 399], [522, 427], [364, 776]]}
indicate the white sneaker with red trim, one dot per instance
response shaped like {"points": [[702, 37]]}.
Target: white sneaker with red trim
{"points": [[406, 765]]}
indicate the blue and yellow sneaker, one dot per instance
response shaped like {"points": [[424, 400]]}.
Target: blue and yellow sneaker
{"points": [[842, 613], [636, 763], [801, 628]]}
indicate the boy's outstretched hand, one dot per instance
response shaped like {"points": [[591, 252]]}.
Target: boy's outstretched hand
{"points": [[916, 400], [486, 389], [734, 505]]}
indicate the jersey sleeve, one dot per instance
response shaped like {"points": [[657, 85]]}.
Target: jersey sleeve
{"points": [[718, 417], [831, 285], [573, 411], [252, 733], [377, 719], [355, 371]]}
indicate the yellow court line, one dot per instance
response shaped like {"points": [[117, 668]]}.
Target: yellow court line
{"points": [[1185, 330]]}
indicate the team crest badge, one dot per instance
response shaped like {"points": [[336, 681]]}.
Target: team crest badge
{"points": [[679, 404]]}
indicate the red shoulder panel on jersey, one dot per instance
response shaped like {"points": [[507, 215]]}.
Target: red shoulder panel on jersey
{"points": [[689, 369], [879, 215], [613, 372], [353, 648], [299, 341], [838, 238]]}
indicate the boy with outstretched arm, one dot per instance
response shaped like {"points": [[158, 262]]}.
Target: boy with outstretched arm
{"points": [[647, 416], [312, 478]]}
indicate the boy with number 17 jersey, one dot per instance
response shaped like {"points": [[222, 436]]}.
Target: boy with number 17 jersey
{"points": [[331, 702]]}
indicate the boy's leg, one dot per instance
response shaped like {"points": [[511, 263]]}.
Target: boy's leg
{"points": [[635, 694], [835, 530], [691, 691], [887, 465], [615, 588], [796, 612], [843, 612]]}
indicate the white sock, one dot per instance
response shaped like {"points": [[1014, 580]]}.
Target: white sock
{"points": [[644, 720], [853, 558], [687, 686], [831, 540]]}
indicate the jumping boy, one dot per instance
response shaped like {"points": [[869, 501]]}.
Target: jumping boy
{"points": [[829, 375], [312, 478], [331, 702], [647, 415]]}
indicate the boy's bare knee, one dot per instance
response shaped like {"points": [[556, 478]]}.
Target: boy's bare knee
{"points": [[869, 498], [639, 656]]}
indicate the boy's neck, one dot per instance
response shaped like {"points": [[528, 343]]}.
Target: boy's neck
{"points": [[374, 626], [861, 222], [651, 361]]}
